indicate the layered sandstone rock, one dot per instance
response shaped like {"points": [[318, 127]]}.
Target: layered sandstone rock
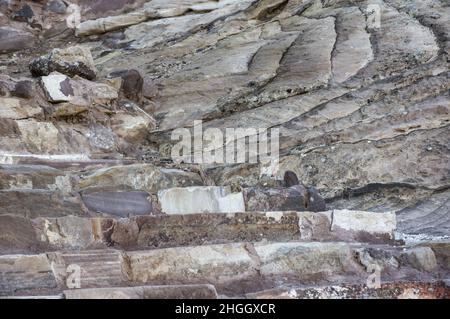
{"points": [[87, 112]]}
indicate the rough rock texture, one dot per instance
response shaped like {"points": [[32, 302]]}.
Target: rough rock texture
{"points": [[87, 112]]}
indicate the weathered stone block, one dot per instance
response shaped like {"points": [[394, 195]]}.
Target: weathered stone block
{"points": [[121, 204], [96, 268], [12, 40], [205, 264], [10, 108], [38, 203], [208, 199], [76, 60], [364, 226], [20, 272], [421, 258], [144, 177], [27, 177], [17, 234], [145, 292], [295, 198], [305, 260], [68, 232], [214, 228]]}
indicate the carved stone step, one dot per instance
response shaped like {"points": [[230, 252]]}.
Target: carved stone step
{"points": [[388, 290], [22, 272], [161, 231], [234, 269], [145, 292], [96, 268]]}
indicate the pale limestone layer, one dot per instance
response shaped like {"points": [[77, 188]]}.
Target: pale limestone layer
{"points": [[193, 200]]}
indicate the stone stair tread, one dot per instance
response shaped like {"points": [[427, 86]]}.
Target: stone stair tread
{"points": [[233, 269], [201, 291], [163, 231], [387, 290]]}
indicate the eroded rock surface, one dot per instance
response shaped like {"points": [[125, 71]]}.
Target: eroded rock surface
{"points": [[87, 110]]}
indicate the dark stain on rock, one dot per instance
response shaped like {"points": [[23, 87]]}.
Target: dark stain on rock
{"points": [[23, 89], [290, 179], [66, 87], [132, 83], [24, 14]]}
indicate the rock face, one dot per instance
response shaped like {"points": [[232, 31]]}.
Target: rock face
{"points": [[352, 98]]}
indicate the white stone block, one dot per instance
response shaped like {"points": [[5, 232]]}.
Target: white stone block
{"points": [[192, 200]]}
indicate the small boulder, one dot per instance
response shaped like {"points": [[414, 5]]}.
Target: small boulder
{"points": [[56, 6], [57, 88], [81, 92], [132, 127], [71, 61]]}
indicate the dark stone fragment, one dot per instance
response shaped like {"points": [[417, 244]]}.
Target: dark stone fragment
{"points": [[290, 179], [316, 203], [66, 88], [43, 66], [23, 89], [9, 128], [56, 6], [132, 83], [121, 204], [24, 14]]}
